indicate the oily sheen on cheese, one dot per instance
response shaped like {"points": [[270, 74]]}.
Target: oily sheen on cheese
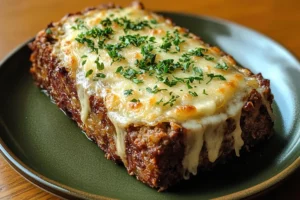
{"points": [[149, 71]]}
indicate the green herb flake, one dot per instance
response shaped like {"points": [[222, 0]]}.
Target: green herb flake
{"points": [[88, 73], [131, 25], [101, 44], [137, 81], [83, 62], [152, 39], [153, 21], [48, 31], [90, 43], [113, 51], [209, 58], [171, 101], [212, 76], [79, 25], [198, 52], [135, 100], [187, 35], [101, 34], [100, 75], [177, 40], [100, 66], [154, 90], [223, 66], [135, 40], [128, 92], [198, 71], [188, 85], [119, 69], [204, 92], [194, 94], [130, 74], [106, 22], [166, 45], [158, 102]]}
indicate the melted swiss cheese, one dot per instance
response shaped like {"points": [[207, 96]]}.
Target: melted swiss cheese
{"points": [[202, 107]]}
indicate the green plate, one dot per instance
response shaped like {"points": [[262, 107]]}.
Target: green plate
{"points": [[50, 150]]}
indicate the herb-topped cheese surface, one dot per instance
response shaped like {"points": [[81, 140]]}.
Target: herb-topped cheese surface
{"points": [[149, 71]]}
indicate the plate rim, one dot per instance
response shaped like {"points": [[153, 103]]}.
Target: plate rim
{"points": [[62, 190]]}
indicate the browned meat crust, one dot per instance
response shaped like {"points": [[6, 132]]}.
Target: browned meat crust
{"points": [[154, 154]]}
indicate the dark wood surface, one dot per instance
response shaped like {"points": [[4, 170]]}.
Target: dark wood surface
{"points": [[21, 20]]}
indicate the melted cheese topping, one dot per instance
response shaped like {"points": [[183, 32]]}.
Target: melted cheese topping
{"points": [[201, 106]]}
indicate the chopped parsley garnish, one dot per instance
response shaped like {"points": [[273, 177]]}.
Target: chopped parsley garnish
{"points": [[166, 66], [95, 38], [171, 101], [128, 92], [127, 24], [101, 44], [100, 66], [187, 35], [113, 51], [95, 32], [154, 90], [166, 45], [152, 39], [88, 73], [197, 52], [167, 81], [135, 100], [198, 71], [130, 74], [90, 43], [194, 94], [153, 21], [177, 40], [222, 66], [79, 24], [135, 40], [169, 39], [100, 75], [146, 49], [209, 58], [119, 69], [148, 61], [212, 76], [158, 102], [48, 31], [106, 22]]}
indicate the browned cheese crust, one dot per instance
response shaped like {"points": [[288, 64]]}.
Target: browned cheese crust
{"points": [[154, 154]]}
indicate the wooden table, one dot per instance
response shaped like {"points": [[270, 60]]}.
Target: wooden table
{"points": [[21, 20]]}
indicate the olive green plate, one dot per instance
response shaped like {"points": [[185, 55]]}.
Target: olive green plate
{"points": [[49, 149]]}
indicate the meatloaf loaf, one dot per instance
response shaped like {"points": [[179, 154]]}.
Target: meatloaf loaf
{"points": [[150, 94]]}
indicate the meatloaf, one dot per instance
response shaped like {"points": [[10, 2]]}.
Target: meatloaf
{"points": [[150, 94]]}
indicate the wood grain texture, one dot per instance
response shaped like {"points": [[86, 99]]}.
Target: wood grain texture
{"points": [[21, 20]]}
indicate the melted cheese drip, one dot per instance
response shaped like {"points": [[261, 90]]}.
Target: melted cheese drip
{"points": [[194, 143], [266, 103], [214, 139], [119, 138], [203, 115], [237, 134], [84, 103]]}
